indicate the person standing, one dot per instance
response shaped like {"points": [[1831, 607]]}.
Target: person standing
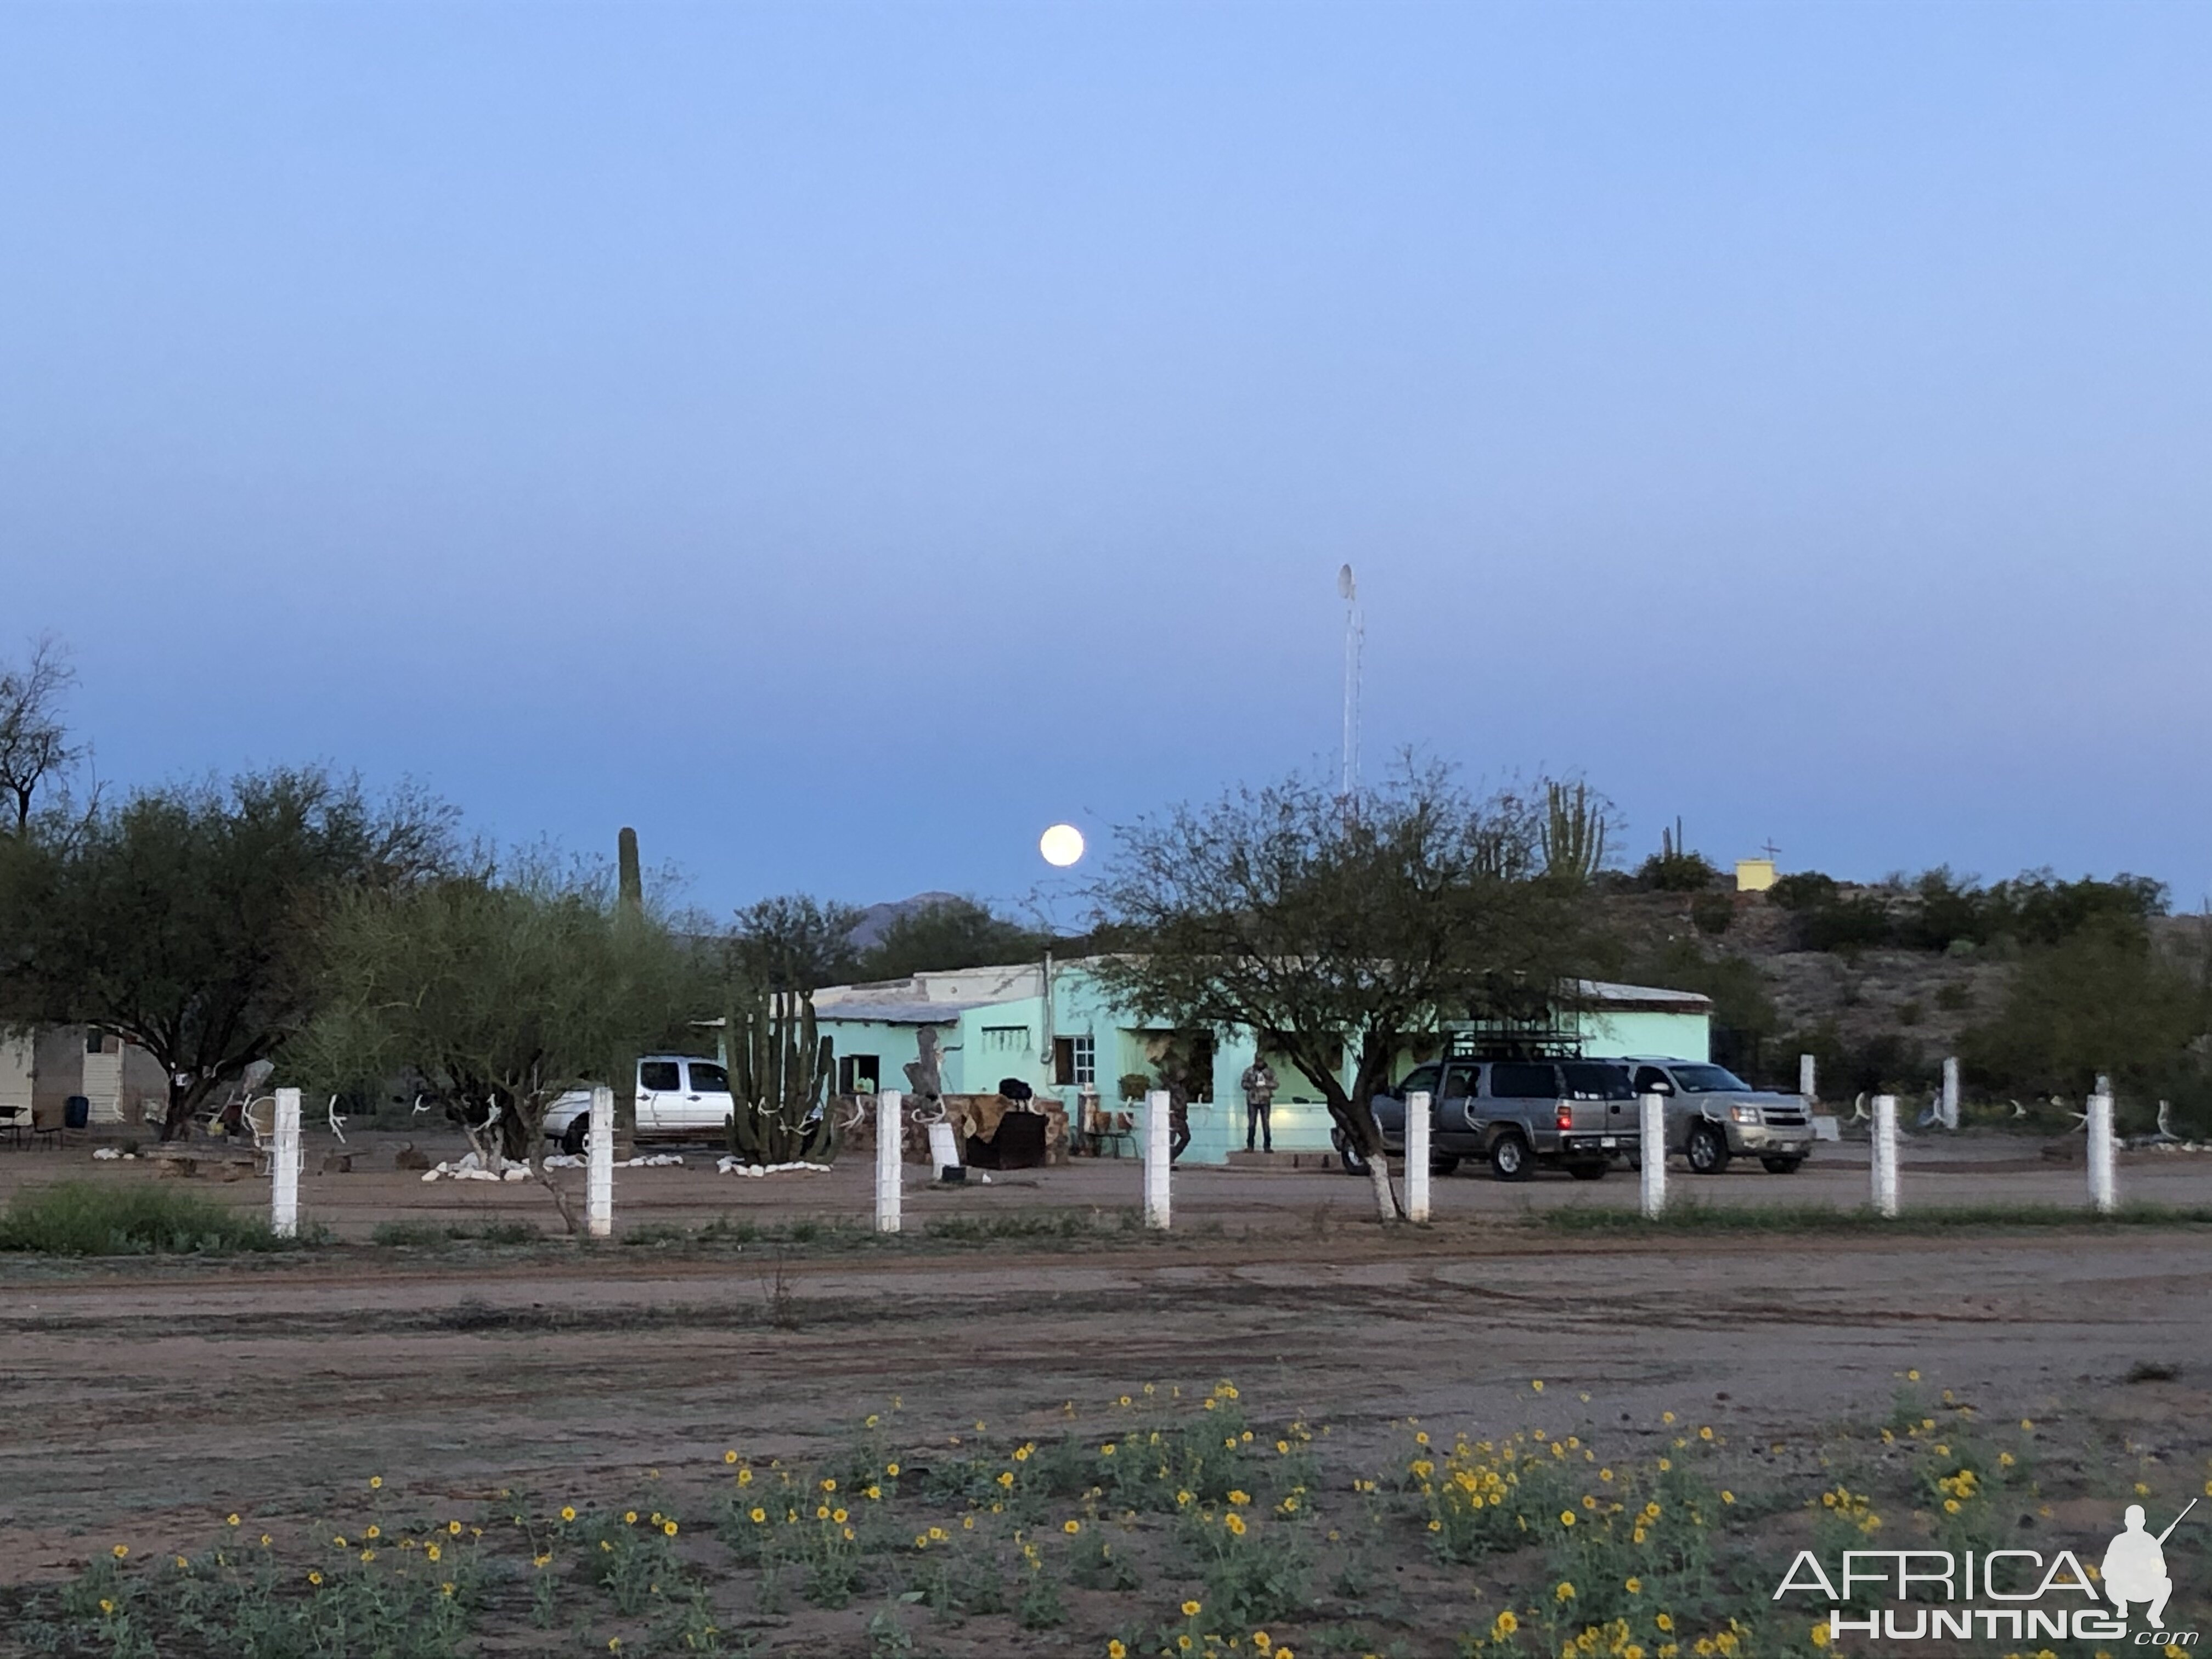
{"points": [[1259, 1083]]}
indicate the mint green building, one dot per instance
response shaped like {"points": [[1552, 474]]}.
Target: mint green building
{"points": [[1052, 1026]]}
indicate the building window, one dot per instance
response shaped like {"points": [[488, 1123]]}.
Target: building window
{"points": [[1006, 1039], [857, 1074], [1075, 1060]]}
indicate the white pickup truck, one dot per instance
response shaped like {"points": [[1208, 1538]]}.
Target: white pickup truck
{"points": [[678, 1097]]}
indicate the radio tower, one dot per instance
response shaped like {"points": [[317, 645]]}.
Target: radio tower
{"points": [[1355, 637]]}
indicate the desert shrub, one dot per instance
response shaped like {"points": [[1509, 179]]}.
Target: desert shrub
{"points": [[2035, 907], [1744, 1017], [1676, 872], [1941, 911], [82, 1218], [1808, 889], [2104, 1000], [1848, 924], [1712, 912], [1888, 1062]]}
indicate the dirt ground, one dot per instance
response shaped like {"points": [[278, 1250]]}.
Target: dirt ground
{"points": [[146, 1401]]}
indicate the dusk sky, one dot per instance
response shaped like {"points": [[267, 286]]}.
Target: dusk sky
{"points": [[841, 441]]}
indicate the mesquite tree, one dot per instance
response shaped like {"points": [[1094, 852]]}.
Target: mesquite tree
{"points": [[494, 994], [189, 919], [35, 751], [1342, 930]]}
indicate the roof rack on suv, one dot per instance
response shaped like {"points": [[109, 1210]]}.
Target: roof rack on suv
{"points": [[1514, 1041]]}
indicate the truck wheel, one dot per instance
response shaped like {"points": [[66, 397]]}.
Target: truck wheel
{"points": [[1587, 1172], [1354, 1160], [577, 1135], [1708, 1151], [1781, 1165], [1508, 1159]]}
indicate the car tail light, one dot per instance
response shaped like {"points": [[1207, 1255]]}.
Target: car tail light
{"points": [[1566, 1117]]}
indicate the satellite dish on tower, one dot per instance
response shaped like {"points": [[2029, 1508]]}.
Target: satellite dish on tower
{"points": [[1345, 586]]}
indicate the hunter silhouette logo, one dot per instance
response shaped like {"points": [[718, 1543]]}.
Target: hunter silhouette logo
{"points": [[2010, 1595], [2135, 1564]]}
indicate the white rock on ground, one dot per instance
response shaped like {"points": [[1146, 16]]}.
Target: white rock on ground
{"points": [[735, 1166]]}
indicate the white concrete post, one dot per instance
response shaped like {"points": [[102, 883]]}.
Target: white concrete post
{"points": [[2103, 1196], [891, 1169], [1651, 1109], [284, 1166], [1885, 1154], [599, 1166], [1807, 1078], [1417, 1156], [1951, 1091], [1158, 1138]]}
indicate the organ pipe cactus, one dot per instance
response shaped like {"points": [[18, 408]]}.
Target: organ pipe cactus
{"points": [[1573, 832], [779, 1070]]}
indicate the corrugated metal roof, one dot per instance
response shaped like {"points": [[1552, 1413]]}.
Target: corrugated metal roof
{"points": [[1651, 998], [896, 1013]]}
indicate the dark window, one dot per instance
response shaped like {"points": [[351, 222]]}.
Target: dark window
{"points": [[857, 1074], [1521, 1080], [1710, 1080], [1650, 1080], [659, 1076], [1593, 1080], [1063, 1059], [95, 1043], [1421, 1077], [1461, 1081], [708, 1078]]}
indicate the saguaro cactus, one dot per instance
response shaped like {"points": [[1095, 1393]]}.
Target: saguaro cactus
{"points": [[779, 1070], [632, 874]]}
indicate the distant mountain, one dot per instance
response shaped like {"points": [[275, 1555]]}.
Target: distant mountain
{"points": [[877, 918]]}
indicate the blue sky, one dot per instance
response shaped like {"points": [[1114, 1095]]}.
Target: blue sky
{"points": [[842, 440]]}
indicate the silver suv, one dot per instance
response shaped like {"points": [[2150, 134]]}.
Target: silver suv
{"points": [[1713, 1115], [1578, 1114]]}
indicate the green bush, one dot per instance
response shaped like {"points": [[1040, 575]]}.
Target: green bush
{"points": [[1941, 911], [79, 1217]]}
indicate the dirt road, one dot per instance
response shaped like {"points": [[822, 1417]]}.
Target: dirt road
{"points": [[158, 1399]]}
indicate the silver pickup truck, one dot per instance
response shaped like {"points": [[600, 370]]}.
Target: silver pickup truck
{"points": [[1713, 1115], [1578, 1115]]}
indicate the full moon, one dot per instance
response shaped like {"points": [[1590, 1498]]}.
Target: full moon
{"points": [[1061, 845]]}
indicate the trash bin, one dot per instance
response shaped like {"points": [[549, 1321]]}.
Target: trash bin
{"points": [[76, 1112]]}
